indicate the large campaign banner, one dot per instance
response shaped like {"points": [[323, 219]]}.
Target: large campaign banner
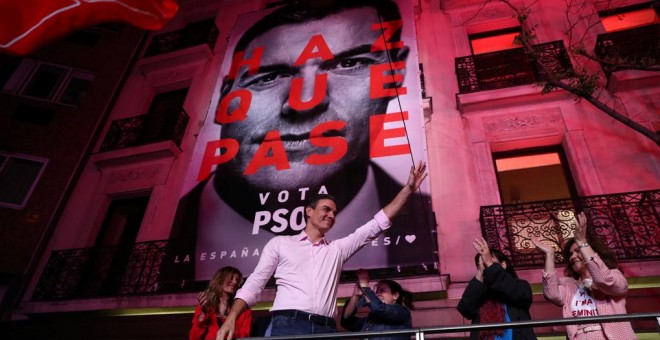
{"points": [[311, 100]]}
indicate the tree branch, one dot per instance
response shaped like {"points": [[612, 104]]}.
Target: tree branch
{"points": [[583, 78]]}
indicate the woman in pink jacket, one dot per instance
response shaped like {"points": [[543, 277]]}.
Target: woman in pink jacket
{"points": [[594, 285]]}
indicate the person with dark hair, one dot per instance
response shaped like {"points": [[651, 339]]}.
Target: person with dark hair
{"points": [[496, 295], [307, 266], [389, 308], [214, 305], [594, 285]]}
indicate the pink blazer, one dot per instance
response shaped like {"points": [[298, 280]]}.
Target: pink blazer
{"points": [[609, 295]]}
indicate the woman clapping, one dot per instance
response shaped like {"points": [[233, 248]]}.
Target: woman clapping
{"points": [[594, 285]]}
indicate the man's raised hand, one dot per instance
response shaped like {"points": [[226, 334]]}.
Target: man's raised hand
{"points": [[417, 176]]}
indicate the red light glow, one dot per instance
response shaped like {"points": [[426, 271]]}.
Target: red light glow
{"points": [[630, 19], [494, 43], [526, 162]]}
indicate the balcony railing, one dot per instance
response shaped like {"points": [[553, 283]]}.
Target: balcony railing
{"points": [[628, 223], [639, 46], [145, 129], [196, 33], [105, 271], [508, 68], [420, 333]]}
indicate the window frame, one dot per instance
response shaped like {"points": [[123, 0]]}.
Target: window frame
{"points": [[28, 69], [3, 164]]}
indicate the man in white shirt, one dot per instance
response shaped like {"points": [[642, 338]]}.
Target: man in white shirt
{"points": [[307, 266]]}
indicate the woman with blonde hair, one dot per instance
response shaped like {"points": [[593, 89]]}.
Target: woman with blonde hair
{"points": [[214, 305], [594, 285]]}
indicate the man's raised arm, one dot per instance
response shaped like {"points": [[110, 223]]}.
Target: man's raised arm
{"points": [[417, 176]]}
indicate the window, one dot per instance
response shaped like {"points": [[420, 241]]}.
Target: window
{"points": [[533, 175], [629, 17], [49, 82], [504, 39], [18, 177]]}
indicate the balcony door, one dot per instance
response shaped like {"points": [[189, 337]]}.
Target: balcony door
{"points": [[164, 112], [122, 221], [112, 251]]}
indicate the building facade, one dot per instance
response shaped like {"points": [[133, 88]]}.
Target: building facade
{"points": [[506, 161], [54, 104]]}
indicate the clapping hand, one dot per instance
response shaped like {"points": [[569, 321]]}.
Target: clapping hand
{"points": [[481, 246], [363, 277], [581, 229], [544, 248], [202, 299]]}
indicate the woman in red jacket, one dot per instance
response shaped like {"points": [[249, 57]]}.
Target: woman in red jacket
{"points": [[594, 285], [214, 305]]}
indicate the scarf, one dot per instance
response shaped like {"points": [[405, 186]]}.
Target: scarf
{"points": [[491, 312]]}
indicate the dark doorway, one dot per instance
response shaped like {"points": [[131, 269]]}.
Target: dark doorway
{"points": [[113, 248]]}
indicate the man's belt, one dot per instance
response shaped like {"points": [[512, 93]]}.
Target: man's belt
{"points": [[300, 315]]}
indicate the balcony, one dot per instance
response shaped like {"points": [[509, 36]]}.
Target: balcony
{"points": [[632, 46], [105, 271], [628, 223], [197, 33], [502, 69], [145, 129]]}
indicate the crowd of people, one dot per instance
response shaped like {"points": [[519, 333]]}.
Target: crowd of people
{"points": [[307, 265], [305, 299]]}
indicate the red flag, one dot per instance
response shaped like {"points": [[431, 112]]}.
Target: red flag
{"points": [[27, 24]]}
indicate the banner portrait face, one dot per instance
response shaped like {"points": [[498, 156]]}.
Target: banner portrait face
{"points": [[311, 100]]}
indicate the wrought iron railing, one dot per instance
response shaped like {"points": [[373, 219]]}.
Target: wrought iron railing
{"points": [[196, 33], [640, 46], [104, 271], [512, 67], [145, 129], [628, 223]]}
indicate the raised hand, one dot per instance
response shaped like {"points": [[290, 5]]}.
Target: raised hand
{"points": [[549, 254], [581, 229], [542, 247], [481, 246], [363, 277], [417, 176]]}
